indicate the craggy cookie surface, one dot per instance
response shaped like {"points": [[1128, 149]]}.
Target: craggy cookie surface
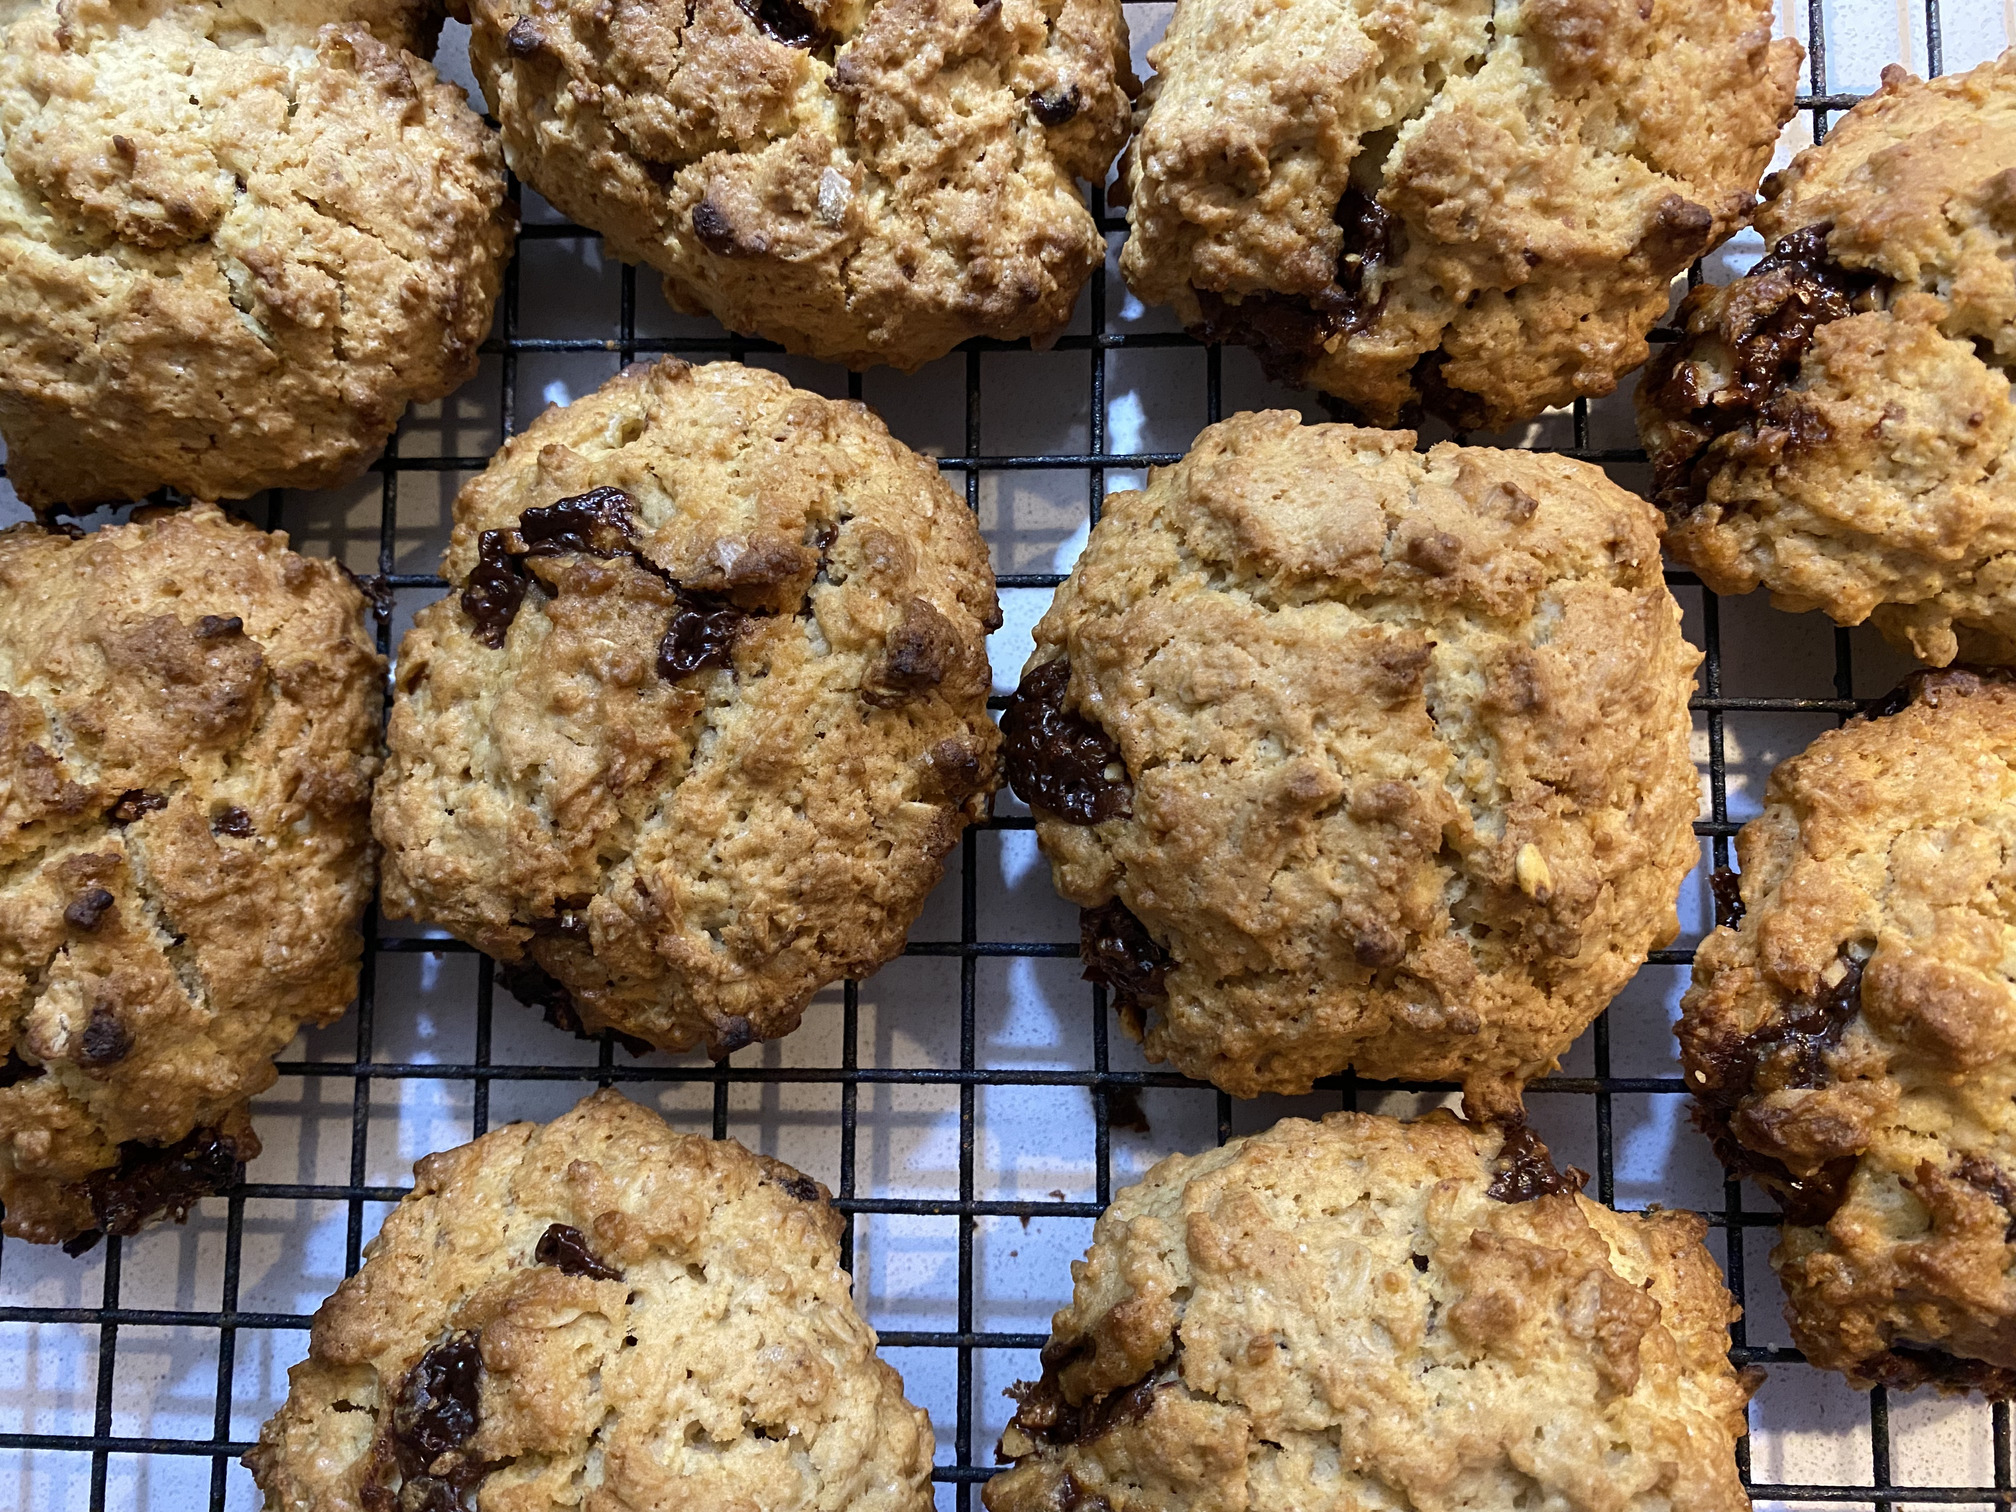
{"points": [[1360, 756], [236, 240], [1852, 1041], [1365, 1312], [703, 710], [866, 181], [598, 1312], [1470, 206], [188, 732], [1836, 426]]}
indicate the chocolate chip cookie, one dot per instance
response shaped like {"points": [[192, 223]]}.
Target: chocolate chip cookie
{"points": [[598, 1303], [1364, 1312], [866, 181], [1358, 756], [236, 240], [703, 711], [188, 732], [1459, 206], [1836, 425], [1851, 1034]]}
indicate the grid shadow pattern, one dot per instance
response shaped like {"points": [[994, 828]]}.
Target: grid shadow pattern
{"points": [[1113, 1093]]}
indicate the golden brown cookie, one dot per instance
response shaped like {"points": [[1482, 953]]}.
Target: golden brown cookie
{"points": [[1836, 425], [1369, 1313], [703, 711], [236, 240], [1468, 207], [866, 181], [1358, 756], [188, 732], [598, 1312], [1852, 1038]]}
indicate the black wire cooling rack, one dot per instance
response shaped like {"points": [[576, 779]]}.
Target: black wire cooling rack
{"points": [[1114, 1094]]}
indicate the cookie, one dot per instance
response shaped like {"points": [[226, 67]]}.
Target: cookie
{"points": [[1365, 1312], [188, 732], [1851, 1035], [703, 710], [598, 1308], [1358, 756], [236, 240], [1836, 425], [865, 181], [1456, 206]]}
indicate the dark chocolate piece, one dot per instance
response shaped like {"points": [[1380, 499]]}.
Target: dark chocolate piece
{"points": [[731, 1034], [1905, 1366], [494, 590], [233, 821], [437, 1411], [800, 1188], [155, 1181], [787, 22], [134, 804], [106, 1040], [1986, 1176], [1124, 1110], [529, 982], [14, 1070], [217, 626], [1056, 107], [1524, 1169], [1119, 951], [1929, 684], [1045, 1414], [1058, 760], [1727, 890], [596, 523], [87, 910], [566, 1249], [702, 634]]}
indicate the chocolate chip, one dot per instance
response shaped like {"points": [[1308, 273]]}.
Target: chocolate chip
{"points": [[1930, 684], [702, 634], [106, 1039], [1288, 332], [1905, 1366], [1765, 321], [216, 627], [1118, 951], [1124, 1110], [153, 1181], [730, 1035], [1055, 107], [1420, 1263], [1727, 889], [495, 588], [1457, 408], [1523, 1170], [528, 982], [437, 1411], [1047, 1415], [14, 1070], [1986, 1176], [1058, 760], [786, 22], [566, 1249], [134, 804], [800, 1188], [596, 523], [234, 822], [711, 226], [523, 39], [87, 910]]}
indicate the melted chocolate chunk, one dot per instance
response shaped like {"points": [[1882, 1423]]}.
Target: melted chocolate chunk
{"points": [[1288, 332], [1124, 1110], [437, 1411], [154, 1181], [1931, 683], [134, 804], [1904, 1366], [524, 39], [1986, 1176], [1055, 107], [233, 821], [568, 924], [1458, 408], [217, 626], [566, 1249], [528, 982], [702, 634], [596, 523], [800, 1188], [106, 1040], [731, 1034], [787, 22], [1043, 1412], [495, 589], [1786, 1052], [87, 910], [1524, 1169], [1727, 890], [1420, 1263], [1119, 951], [1767, 322], [14, 1070], [1058, 760]]}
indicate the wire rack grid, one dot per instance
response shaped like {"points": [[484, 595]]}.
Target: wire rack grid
{"points": [[81, 1342]]}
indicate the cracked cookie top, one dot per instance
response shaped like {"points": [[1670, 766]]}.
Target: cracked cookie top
{"points": [[236, 240], [703, 711], [1850, 1036], [866, 181], [1470, 208], [188, 732], [598, 1302], [1358, 756], [1836, 425], [1367, 1312]]}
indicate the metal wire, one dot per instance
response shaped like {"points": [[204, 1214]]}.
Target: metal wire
{"points": [[969, 949]]}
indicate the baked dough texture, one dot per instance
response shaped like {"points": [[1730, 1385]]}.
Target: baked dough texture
{"points": [[1851, 1039], [703, 712], [1472, 207], [188, 732], [1359, 756], [598, 1313], [1369, 1313], [236, 239], [1836, 425], [865, 181]]}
